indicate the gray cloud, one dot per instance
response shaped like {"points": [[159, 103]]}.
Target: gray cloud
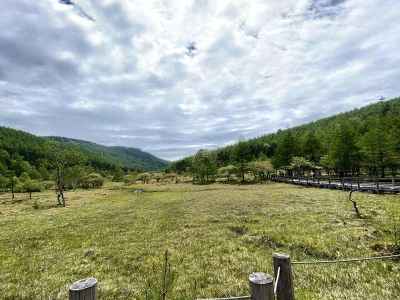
{"points": [[124, 76]]}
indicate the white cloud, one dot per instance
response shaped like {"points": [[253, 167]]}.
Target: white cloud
{"points": [[129, 78]]}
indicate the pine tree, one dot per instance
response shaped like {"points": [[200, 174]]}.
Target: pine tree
{"points": [[344, 152], [285, 150]]}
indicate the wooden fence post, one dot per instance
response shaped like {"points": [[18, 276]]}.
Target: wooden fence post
{"points": [[261, 286], [84, 289], [283, 268]]}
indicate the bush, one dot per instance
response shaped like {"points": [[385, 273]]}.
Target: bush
{"points": [[3, 183], [32, 186], [130, 179], [93, 180], [144, 177], [48, 185]]}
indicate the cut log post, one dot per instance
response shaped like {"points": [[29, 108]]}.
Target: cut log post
{"points": [[261, 286], [84, 289], [283, 276]]}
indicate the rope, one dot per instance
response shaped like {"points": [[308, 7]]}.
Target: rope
{"points": [[277, 280], [344, 260]]}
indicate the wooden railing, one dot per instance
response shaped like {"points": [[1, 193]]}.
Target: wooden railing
{"points": [[362, 184]]}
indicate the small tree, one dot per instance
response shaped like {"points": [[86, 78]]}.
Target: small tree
{"points": [[299, 164], [157, 176], [31, 186], [242, 154], [286, 149], [61, 159], [73, 176], [228, 172], [343, 152], [12, 182], [144, 177], [311, 147], [260, 169], [92, 180], [203, 167], [327, 163], [130, 178], [377, 148], [118, 175]]}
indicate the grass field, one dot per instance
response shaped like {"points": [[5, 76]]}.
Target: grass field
{"points": [[216, 235]]}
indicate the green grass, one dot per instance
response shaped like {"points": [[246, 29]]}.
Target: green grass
{"points": [[216, 236]]}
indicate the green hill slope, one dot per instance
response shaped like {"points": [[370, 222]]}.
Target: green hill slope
{"points": [[368, 137], [22, 152], [123, 156]]}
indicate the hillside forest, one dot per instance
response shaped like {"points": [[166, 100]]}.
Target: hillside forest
{"points": [[29, 163], [364, 141]]}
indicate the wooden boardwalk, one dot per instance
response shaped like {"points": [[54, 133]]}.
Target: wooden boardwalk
{"points": [[362, 184]]}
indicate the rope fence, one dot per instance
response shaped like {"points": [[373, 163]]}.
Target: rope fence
{"points": [[317, 262], [261, 286]]}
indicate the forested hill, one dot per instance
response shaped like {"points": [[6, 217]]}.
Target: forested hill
{"points": [[366, 138], [22, 152], [124, 156]]}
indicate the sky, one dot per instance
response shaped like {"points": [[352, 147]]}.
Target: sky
{"points": [[172, 77]]}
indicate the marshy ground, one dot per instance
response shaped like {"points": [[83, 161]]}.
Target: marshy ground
{"points": [[216, 236]]}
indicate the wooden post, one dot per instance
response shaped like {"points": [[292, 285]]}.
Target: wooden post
{"points": [[84, 289], [282, 265], [261, 286]]}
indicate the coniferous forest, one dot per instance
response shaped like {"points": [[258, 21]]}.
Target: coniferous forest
{"points": [[363, 141]]}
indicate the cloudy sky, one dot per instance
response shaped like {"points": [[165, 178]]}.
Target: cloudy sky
{"points": [[174, 76]]}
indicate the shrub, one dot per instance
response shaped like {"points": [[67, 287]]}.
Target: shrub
{"points": [[93, 180], [31, 186], [48, 185]]}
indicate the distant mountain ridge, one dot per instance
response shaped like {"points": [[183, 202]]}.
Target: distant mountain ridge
{"points": [[127, 157], [21, 151]]}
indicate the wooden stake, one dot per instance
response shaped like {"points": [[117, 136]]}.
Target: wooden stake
{"points": [[284, 289], [84, 289], [261, 286]]}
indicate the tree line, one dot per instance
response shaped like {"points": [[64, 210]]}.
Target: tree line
{"points": [[365, 141]]}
